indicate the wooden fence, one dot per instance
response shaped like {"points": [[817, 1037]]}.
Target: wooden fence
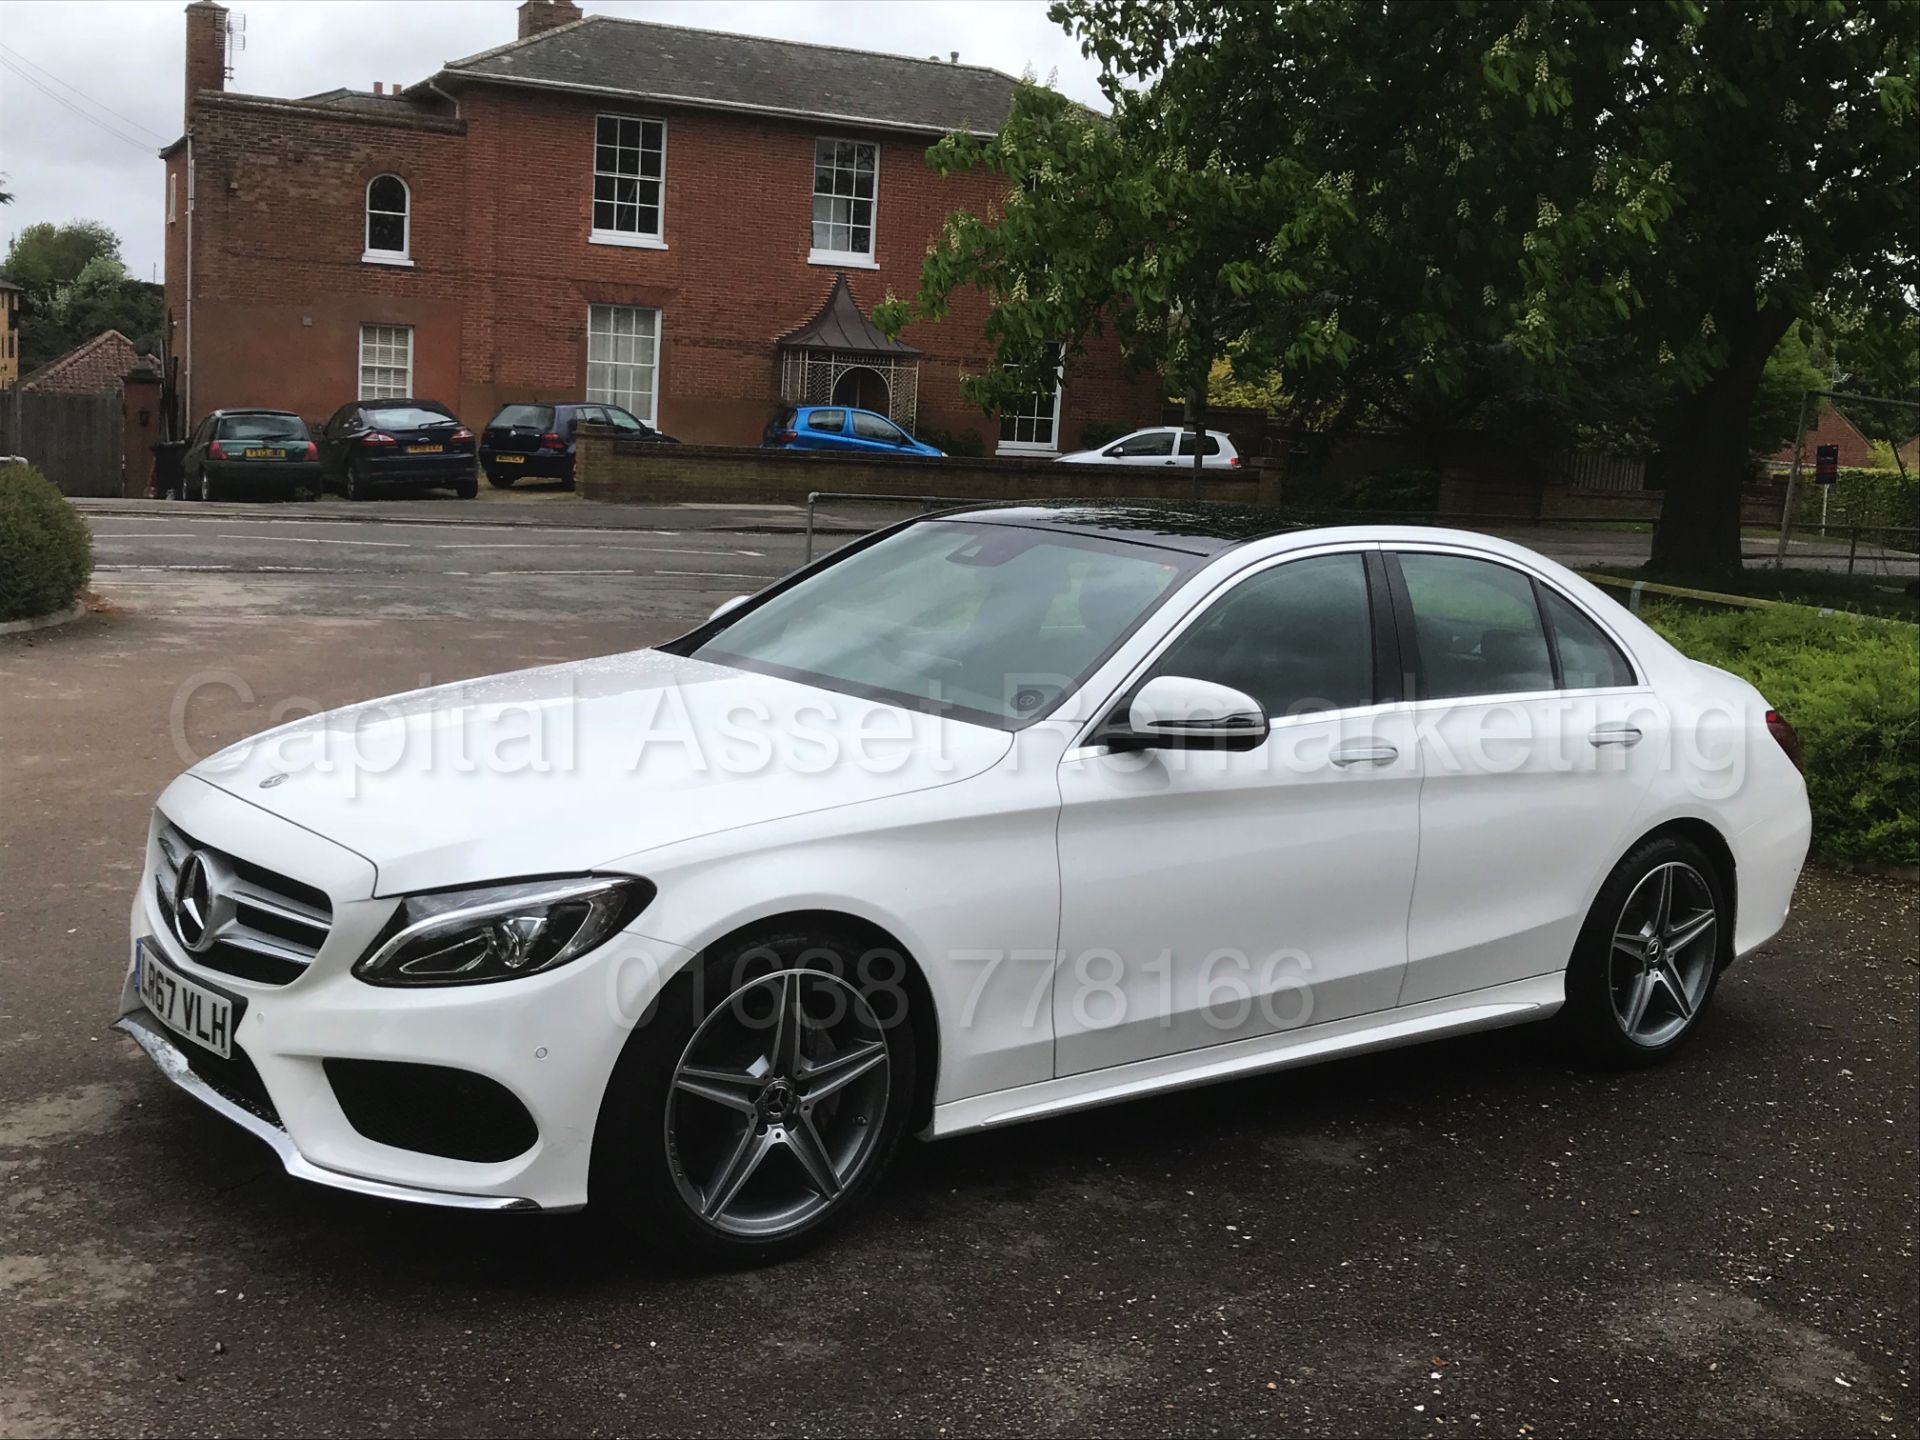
{"points": [[74, 440]]}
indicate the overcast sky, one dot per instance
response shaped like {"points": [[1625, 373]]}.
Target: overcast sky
{"points": [[90, 91]]}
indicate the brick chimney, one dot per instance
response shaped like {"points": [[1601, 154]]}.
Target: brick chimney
{"points": [[206, 49], [539, 16]]}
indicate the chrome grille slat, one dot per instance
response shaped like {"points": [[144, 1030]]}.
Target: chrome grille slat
{"points": [[261, 931]]}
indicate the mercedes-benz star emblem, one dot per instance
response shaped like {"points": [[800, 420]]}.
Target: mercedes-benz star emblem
{"points": [[193, 903]]}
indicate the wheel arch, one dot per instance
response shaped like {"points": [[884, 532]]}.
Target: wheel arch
{"points": [[870, 934], [1708, 837]]}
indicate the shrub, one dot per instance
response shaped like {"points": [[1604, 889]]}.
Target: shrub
{"points": [[1096, 433], [46, 552], [966, 443], [1851, 687], [1391, 490], [1859, 497]]}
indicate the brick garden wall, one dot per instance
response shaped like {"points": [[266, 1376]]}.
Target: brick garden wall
{"points": [[631, 472]]}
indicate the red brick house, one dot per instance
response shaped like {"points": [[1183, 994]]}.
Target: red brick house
{"points": [[605, 209]]}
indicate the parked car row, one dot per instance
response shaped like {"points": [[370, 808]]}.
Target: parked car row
{"points": [[371, 447]]}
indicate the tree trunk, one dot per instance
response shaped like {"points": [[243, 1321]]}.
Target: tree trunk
{"points": [[1704, 459], [1197, 422]]}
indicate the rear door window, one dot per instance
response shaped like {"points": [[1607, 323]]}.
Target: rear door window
{"points": [[1208, 445], [1588, 659], [831, 421], [621, 420], [1477, 626], [1297, 637]]}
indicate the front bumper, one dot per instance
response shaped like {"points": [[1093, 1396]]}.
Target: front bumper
{"points": [[551, 1040], [174, 1065]]}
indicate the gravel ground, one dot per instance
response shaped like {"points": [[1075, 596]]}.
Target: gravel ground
{"points": [[1464, 1238]]}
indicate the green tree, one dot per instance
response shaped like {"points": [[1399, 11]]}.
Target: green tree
{"points": [[1795, 368], [74, 287], [1601, 213]]}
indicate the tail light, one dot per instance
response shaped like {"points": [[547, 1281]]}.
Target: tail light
{"points": [[1233, 461], [462, 436], [551, 441], [214, 452], [313, 451], [785, 437], [378, 437], [1787, 736]]}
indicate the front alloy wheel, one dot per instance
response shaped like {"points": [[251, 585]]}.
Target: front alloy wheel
{"points": [[759, 1099], [775, 1103]]}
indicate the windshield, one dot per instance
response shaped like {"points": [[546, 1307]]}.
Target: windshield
{"points": [[263, 427], [407, 417], [992, 623]]}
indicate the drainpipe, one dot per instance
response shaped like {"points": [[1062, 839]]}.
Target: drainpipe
{"points": [[452, 100]]}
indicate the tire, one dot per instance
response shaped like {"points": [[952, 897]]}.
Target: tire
{"points": [[499, 479], [670, 1147], [356, 483], [1631, 1003], [467, 489], [207, 489]]}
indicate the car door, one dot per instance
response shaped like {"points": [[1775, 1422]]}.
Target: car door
{"points": [[872, 433], [1211, 896], [1148, 447], [1538, 746], [822, 429]]}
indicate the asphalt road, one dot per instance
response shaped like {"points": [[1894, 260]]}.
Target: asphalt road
{"points": [[1467, 1238]]}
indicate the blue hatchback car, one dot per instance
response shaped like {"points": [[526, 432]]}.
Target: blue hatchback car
{"points": [[839, 427]]}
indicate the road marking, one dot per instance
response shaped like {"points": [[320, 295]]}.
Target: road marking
{"points": [[142, 535], [720, 574], [575, 545], [322, 540]]}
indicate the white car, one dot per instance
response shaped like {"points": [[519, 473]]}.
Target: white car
{"points": [[1160, 445], [991, 815]]}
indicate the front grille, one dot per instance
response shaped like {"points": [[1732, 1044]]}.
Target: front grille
{"points": [[276, 924], [431, 1109]]}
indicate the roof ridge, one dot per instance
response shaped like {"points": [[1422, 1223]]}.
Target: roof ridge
{"points": [[77, 353], [731, 35]]}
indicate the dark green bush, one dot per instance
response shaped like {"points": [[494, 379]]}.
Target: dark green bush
{"points": [[954, 442], [1851, 687], [1390, 490], [46, 552], [1096, 433]]}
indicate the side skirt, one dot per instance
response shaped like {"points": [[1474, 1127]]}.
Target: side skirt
{"points": [[1514, 1003]]}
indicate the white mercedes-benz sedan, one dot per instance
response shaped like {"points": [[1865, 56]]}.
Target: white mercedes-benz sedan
{"points": [[989, 816]]}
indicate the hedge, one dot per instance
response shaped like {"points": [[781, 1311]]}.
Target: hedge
{"points": [[46, 552], [1851, 687], [1859, 497]]}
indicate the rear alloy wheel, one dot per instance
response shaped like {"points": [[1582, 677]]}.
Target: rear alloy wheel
{"points": [[206, 488], [356, 486], [743, 1129], [1649, 955], [500, 479]]}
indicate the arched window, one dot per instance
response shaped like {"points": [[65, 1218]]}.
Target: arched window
{"points": [[388, 221]]}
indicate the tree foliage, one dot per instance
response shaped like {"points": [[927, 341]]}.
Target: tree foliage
{"points": [[1606, 215], [74, 287]]}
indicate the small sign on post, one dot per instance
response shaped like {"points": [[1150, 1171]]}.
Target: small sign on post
{"points": [[1826, 464]]}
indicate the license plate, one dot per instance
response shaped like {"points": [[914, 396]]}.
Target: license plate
{"points": [[510, 459], [263, 454], [183, 1007], [425, 449]]}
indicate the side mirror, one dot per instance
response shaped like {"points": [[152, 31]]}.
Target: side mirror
{"points": [[725, 606], [1177, 712]]}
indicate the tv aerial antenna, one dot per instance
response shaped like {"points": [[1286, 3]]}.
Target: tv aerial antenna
{"points": [[236, 40]]}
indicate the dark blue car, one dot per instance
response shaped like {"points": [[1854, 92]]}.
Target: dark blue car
{"points": [[839, 427], [536, 441]]}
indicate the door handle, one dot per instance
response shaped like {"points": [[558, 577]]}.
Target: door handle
{"points": [[1625, 736], [1365, 752]]}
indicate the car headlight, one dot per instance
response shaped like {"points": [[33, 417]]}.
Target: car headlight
{"points": [[500, 932]]}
